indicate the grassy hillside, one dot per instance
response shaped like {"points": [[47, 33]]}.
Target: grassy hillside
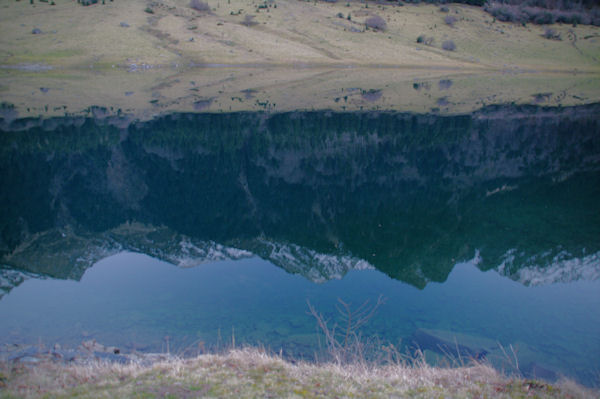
{"points": [[148, 57], [284, 32]]}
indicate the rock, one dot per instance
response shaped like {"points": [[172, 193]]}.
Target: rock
{"points": [[535, 371], [428, 340], [27, 353]]}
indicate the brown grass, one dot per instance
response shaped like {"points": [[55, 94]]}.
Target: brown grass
{"points": [[293, 32], [252, 373]]}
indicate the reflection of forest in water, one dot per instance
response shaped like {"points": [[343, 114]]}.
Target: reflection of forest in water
{"points": [[409, 194]]}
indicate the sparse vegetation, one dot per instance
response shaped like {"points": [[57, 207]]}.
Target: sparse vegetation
{"points": [[376, 23], [445, 84], [449, 45], [252, 373], [450, 20], [249, 20], [199, 6], [422, 39], [345, 343], [551, 34]]}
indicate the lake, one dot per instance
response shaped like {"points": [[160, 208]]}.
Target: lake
{"points": [[191, 232]]}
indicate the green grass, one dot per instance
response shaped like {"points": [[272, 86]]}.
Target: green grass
{"points": [[251, 373]]}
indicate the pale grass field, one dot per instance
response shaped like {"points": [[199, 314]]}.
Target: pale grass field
{"points": [[298, 56], [145, 95], [250, 373], [293, 32]]}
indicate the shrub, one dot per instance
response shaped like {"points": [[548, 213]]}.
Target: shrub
{"points": [[376, 22], [249, 20], [551, 34], [428, 41], [445, 84], [450, 20], [421, 85], [444, 9], [340, 15], [199, 5], [371, 95], [449, 45]]}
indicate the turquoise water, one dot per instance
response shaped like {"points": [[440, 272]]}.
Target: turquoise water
{"points": [[134, 301]]}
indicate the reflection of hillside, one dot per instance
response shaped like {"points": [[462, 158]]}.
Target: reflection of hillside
{"points": [[409, 194]]}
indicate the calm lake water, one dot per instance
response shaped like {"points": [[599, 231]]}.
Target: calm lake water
{"points": [[481, 231]]}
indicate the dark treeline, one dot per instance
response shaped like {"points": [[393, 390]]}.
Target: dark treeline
{"points": [[586, 12], [410, 193]]}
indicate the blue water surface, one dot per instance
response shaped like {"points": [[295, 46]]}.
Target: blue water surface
{"points": [[139, 303]]}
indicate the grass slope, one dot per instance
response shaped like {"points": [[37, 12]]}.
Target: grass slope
{"points": [[286, 32], [253, 374], [150, 57]]}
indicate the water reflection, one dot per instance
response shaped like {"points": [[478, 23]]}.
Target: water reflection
{"points": [[134, 302], [319, 194], [315, 193]]}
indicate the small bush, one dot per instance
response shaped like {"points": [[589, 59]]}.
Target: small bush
{"points": [[449, 45], [340, 15], [371, 95], [376, 23], [249, 21], [551, 34], [445, 84], [421, 85], [444, 9], [428, 41], [450, 20], [199, 5]]}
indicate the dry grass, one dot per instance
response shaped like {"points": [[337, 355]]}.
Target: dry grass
{"points": [[251, 373], [293, 32], [147, 94], [295, 56]]}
